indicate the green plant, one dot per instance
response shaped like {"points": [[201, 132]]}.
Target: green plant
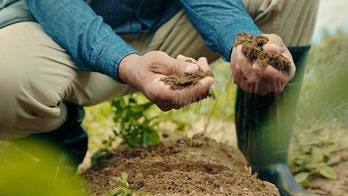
{"points": [[106, 146], [124, 189], [322, 116], [314, 157], [133, 125]]}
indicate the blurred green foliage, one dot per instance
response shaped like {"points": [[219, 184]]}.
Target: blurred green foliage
{"points": [[324, 93], [36, 169], [322, 118]]}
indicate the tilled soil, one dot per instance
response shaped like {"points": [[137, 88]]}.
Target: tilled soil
{"points": [[179, 166]]}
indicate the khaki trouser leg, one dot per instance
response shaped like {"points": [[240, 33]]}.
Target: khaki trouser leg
{"points": [[37, 77], [293, 21]]}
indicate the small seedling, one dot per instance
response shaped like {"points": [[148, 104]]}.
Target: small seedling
{"points": [[122, 190]]}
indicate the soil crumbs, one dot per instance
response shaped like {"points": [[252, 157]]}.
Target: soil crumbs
{"points": [[187, 79], [178, 166], [252, 49], [181, 81]]}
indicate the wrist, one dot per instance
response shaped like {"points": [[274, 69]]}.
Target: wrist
{"points": [[125, 67]]}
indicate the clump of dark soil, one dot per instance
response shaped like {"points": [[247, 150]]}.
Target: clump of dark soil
{"points": [[187, 79], [181, 81], [179, 166], [252, 49]]}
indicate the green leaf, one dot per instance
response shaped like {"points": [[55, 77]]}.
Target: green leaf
{"points": [[302, 177], [334, 160], [317, 154], [151, 137], [147, 105], [327, 172], [95, 157]]}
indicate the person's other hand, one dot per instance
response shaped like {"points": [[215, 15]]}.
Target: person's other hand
{"points": [[145, 73], [257, 78]]}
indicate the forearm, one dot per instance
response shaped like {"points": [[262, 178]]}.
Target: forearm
{"points": [[73, 24], [219, 22]]}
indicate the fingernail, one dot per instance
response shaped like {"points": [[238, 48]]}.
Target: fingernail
{"points": [[191, 67], [180, 56]]}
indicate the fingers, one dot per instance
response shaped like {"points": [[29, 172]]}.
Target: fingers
{"points": [[257, 78], [270, 80], [261, 88], [252, 72], [188, 64], [271, 74], [196, 92], [184, 64], [203, 64], [146, 74], [166, 98], [276, 45], [176, 99], [271, 47], [186, 59], [167, 65]]}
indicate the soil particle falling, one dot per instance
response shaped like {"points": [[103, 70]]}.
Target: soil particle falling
{"points": [[252, 49]]}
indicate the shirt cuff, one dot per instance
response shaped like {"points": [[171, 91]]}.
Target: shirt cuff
{"points": [[109, 55], [228, 32]]}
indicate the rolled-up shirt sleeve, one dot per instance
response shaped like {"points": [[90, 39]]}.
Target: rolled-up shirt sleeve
{"points": [[92, 44], [219, 22]]}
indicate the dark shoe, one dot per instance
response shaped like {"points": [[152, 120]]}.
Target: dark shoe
{"points": [[70, 141], [281, 177], [72, 135]]}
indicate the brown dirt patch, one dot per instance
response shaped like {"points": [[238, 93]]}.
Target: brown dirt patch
{"points": [[252, 49], [179, 166]]}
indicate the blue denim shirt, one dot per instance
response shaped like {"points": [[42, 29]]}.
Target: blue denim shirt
{"points": [[95, 46]]}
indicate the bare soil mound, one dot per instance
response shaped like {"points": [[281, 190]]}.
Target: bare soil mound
{"points": [[179, 166]]}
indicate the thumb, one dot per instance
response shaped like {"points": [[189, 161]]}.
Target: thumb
{"points": [[185, 64]]}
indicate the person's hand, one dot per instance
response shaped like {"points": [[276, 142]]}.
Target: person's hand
{"points": [[145, 73], [257, 78]]}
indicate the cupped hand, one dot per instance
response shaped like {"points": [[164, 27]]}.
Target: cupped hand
{"points": [[145, 72], [257, 78]]}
